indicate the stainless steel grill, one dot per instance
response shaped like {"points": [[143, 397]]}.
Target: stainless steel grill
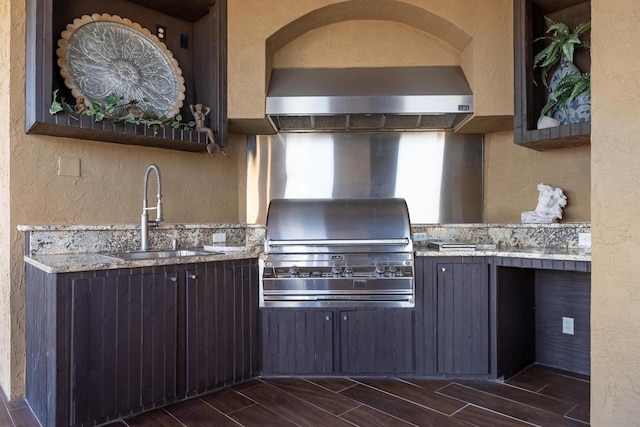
{"points": [[326, 252]]}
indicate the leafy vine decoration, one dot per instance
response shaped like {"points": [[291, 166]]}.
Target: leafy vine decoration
{"points": [[118, 110]]}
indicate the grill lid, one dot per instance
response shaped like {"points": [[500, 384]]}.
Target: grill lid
{"points": [[306, 223]]}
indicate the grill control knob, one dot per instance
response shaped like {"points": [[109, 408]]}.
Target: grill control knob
{"points": [[379, 270], [293, 270], [392, 270], [348, 271], [336, 271]]}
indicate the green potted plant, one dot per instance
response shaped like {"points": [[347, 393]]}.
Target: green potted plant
{"points": [[569, 90]]}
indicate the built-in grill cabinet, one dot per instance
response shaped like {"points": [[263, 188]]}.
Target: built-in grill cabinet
{"points": [[337, 252]]}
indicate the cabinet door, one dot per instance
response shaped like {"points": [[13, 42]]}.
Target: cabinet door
{"points": [[297, 341], [123, 343], [463, 318], [218, 326], [425, 317], [378, 341]]}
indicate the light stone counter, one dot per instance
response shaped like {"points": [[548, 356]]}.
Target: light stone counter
{"points": [[550, 253], [65, 263], [67, 248]]}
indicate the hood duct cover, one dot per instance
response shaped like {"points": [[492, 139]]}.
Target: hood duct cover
{"points": [[368, 99]]}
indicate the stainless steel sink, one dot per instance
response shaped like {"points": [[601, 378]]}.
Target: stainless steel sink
{"points": [[159, 254]]}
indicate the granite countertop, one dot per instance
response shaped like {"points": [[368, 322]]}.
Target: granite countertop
{"points": [[65, 263], [550, 253]]}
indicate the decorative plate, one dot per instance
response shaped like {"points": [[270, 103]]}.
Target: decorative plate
{"points": [[102, 54]]}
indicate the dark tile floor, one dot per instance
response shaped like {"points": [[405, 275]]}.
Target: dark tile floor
{"points": [[536, 396]]}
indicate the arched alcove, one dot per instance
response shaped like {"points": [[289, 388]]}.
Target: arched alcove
{"points": [[302, 35], [366, 33], [381, 10]]}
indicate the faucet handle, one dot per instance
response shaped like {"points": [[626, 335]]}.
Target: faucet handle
{"points": [[159, 209]]}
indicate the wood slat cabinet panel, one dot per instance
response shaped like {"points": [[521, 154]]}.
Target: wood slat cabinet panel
{"points": [[376, 341], [452, 316], [463, 319], [103, 344], [297, 341], [123, 343], [307, 341], [220, 327]]}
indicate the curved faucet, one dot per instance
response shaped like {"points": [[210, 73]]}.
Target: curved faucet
{"points": [[144, 218]]}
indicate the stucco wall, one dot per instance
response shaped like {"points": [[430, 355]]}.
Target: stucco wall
{"points": [[615, 165], [196, 188], [512, 174], [478, 33], [5, 227]]}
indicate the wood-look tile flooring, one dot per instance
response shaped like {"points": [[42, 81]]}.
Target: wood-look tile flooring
{"points": [[538, 396]]}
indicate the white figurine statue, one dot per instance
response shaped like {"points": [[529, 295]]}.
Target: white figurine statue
{"points": [[549, 209]]}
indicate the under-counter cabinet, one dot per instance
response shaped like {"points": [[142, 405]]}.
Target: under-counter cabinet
{"points": [[297, 341], [310, 341], [105, 344], [533, 297], [453, 320]]}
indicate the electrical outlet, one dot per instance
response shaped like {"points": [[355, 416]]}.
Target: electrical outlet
{"points": [[419, 236], [219, 237], [567, 325], [584, 239]]}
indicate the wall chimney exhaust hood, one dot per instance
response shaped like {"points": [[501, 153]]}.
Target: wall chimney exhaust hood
{"points": [[368, 99]]}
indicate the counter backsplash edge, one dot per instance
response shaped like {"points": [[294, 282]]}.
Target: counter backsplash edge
{"points": [[66, 239]]}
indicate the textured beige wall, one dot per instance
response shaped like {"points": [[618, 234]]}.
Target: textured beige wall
{"points": [[474, 33], [363, 44], [5, 226], [196, 188], [615, 290], [512, 174]]}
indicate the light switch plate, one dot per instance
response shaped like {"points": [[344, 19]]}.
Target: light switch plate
{"points": [[68, 166]]}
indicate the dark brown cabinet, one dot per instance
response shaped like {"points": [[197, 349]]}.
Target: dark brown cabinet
{"points": [[123, 343], [102, 344], [463, 318], [329, 342], [452, 332], [297, 342], [376, 341], [220, 326], [196, 35], [529, 26]]}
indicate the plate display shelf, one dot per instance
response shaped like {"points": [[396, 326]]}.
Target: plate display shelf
{"points": [[196, 36]]}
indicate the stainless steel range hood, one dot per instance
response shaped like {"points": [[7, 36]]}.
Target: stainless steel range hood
{"points": [[368, 99]]}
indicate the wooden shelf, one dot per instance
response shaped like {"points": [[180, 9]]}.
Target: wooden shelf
{"points": [[530, 98], [202, 60]]}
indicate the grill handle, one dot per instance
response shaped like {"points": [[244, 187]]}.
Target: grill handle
{"points": [[339, 242]]}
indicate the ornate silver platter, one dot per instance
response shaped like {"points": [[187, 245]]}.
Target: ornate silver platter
{"points": [[102, 54]]}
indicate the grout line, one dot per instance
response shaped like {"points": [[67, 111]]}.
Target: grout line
{"points": [[501, 414], [409, 400], [172, 416]]}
